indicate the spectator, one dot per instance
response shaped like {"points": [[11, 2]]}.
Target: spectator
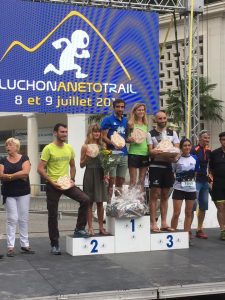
{"points": [[202, 152], [217, 172], [14, 174]]}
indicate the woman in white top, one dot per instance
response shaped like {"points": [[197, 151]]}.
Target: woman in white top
{"points": [[185, 186]]}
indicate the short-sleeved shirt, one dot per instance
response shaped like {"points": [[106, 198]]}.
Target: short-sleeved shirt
{"points": [[154, 137], [58, 159], [203, 154], [18, 187], [113, 123], [185, 169], [217, 166], [142, 148]]}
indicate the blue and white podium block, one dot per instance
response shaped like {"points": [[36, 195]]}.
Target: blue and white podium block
{"points": [[169, 241], [131, 234], [127, 235], [90, 246]]}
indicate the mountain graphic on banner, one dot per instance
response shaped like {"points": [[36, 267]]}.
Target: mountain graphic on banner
{"points": [[44, 40]]}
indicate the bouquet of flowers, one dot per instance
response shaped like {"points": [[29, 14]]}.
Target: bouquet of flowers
{"points": [[107, 162], [129, 204]]}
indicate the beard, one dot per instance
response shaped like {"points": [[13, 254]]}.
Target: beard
{"points": [[162, 125], [61, 139]]}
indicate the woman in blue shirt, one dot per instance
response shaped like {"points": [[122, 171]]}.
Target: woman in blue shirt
{"points": [[185, 170]]}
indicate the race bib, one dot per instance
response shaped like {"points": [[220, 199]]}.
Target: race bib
{"points": [[188, 184]]}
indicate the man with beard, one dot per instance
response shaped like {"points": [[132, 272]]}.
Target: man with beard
{"points": [[160, 171], [57, 160]]}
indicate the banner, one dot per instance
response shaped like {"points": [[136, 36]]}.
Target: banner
{"points": [[59, 58]]}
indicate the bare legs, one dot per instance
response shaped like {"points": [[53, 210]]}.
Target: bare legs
{"points": [[141, 179], [100, 214], [188, 214], [155, 194], [119, 181], [201, 217], [221, 214]]}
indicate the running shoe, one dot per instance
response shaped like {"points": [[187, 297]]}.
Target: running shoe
{"points": [[222, 235], [27, 250], [55, 250], [10, 253], [201, 234], [81, 234]]}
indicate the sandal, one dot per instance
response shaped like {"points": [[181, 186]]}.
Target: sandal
{"points": [[169, 229], [91, 231], [10, 253], [103, 232], [27, 250], [155, 230]]}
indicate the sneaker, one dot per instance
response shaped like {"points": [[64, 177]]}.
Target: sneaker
{"points": [[191, 243], [55, 250], [1, 256], [81, 234], [222, 235], [201, 235], [27, 250]]}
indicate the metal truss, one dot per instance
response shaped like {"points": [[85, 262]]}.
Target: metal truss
{"points": [[195, 105], [164, 6], [148, 5]]}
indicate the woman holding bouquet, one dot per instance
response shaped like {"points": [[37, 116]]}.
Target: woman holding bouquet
{"points": [[93, 184], [138, 157]]}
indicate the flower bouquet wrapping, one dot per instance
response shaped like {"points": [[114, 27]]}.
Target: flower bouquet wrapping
{"points": [[129, 204]]}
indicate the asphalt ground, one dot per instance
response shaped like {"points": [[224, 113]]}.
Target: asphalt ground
{"points": [[200, 269]]}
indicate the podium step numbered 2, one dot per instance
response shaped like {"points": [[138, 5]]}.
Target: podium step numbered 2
{"points": [[126, 235]]}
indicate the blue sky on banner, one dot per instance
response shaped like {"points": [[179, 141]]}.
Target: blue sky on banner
{"points": [[72, 59]]}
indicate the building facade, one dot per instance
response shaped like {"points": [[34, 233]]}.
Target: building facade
{"points": [[35, 130], [211, 60]]}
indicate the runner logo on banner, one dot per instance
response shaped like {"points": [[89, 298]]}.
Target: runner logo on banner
{"points": [[61, 58]]}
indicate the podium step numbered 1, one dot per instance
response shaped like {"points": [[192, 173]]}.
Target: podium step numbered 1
{"points": [[126, 235]]}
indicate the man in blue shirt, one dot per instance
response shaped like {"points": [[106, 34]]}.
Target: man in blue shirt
{"points": [[119, 123]]}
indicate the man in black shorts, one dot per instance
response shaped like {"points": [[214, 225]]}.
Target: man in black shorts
{"points": [[160, 171], [217, 170]]}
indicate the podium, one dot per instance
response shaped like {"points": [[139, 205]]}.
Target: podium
{"points": [[127, 235], [131, 234], [90, 246], [169, 241]]}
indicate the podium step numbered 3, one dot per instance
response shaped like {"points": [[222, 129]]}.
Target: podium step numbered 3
{"points": [[126, 235], [169, 241]]}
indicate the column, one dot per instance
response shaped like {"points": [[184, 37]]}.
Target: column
{"points": [[32, 151], [76, 137]]}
